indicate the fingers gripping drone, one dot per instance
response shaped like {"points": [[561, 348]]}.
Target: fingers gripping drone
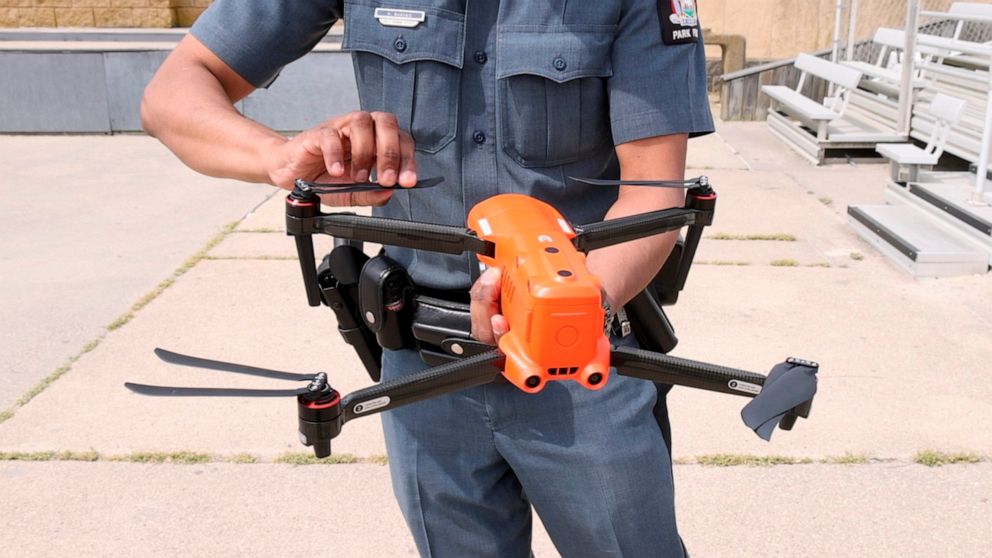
{"points": [[550, 299]]}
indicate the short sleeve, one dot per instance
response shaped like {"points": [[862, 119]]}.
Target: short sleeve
{"points": [[656, 89], [257, 38]]}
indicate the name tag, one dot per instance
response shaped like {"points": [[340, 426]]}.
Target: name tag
{"points": [[399, 18]]}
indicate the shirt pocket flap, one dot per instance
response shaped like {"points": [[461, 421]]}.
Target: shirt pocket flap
{"points": [[558, 54], [439, 37]]}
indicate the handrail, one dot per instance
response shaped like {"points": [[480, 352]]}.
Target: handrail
{"points": [[768, 66], [968, 47], [958, 17]]}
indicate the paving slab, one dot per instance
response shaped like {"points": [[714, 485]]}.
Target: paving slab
{"points": [[884, 390], [759, 252], [120, 509], [712, 152], [887, 510], [758, 147], [902, 361], [88, 225], [124, 509], [263, 246], [247, 311]]}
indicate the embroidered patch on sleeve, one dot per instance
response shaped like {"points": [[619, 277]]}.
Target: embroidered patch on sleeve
{"points": [[679, 21]]}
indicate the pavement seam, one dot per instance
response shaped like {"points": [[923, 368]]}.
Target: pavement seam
{"points": [[193, 458], [122, 320], [778, 237], [927, 458], [251, 258]]}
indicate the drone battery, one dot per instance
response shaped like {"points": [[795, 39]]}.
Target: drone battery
{"points": [[385, 295]]}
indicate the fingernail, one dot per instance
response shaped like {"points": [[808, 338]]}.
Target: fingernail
{"points": [[337, 169], [408, 178], [361, 176], [388, 177]]}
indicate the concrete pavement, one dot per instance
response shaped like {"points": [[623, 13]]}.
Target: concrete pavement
{"points": [[87, 226], [903, 363]]}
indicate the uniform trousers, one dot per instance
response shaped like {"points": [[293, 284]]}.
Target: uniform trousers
{"points": [[468, 467]]}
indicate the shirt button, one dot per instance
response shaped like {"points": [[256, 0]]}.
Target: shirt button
{"points": [[480, 57], [478, 137], [559, 63], [399, 44]]}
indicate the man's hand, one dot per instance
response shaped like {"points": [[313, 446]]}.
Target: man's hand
{"points": [[488, 325], [203, 128], [346, 149]]}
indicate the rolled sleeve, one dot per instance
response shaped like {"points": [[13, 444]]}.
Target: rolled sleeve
{"points": [[656, 89], [257, 38]]}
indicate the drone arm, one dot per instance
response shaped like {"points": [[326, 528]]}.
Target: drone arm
{"points": [[667, 369], [406, 234], [624, 229], [778, 399], [321, 420], [304, 219], [439, 380]]}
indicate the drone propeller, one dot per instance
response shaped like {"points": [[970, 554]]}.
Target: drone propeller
{"points": [[196, 362], [167, 391], [330, 188], [315, 389], [691, 183]]}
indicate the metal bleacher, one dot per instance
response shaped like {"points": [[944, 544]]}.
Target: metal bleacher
{"points": [[839, 127], [934, 222]]}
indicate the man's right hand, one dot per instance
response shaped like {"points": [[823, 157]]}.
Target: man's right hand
{"points": [[347, 149], [189, 106]]}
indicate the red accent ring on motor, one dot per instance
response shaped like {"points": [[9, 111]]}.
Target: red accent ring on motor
{"points": [[298, 203], [318, 405], [706, 197]]}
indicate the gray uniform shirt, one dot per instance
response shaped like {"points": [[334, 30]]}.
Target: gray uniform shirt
{"points": [[499, 95]]}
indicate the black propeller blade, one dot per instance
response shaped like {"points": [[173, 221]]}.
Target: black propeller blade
{"points": [[691, 183], [166, 391], [331, 188], [196, 362]]}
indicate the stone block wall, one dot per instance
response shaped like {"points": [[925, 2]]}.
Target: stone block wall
{"points": [[100, 13]]}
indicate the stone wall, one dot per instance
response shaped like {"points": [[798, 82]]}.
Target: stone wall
{"points": [[100, 13]]}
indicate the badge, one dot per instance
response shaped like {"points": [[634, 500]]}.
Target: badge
{"points": [[394, 17], [679, 21]]}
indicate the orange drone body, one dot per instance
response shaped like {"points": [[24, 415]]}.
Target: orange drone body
{"points": [[550, 299]]}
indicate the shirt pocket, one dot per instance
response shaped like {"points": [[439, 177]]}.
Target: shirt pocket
{"points": [[412, 72], [552, 92]]}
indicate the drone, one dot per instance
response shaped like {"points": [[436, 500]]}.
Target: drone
{"points": [[559, 330]]}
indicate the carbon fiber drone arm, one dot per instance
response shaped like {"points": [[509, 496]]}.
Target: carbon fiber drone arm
{"points": [[780, 398], [322, 420], [439, 380], [624, 229], [304, 219], [667, 369]]}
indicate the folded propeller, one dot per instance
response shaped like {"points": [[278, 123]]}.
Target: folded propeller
{"points": [[316, 388], [331, 188]]}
